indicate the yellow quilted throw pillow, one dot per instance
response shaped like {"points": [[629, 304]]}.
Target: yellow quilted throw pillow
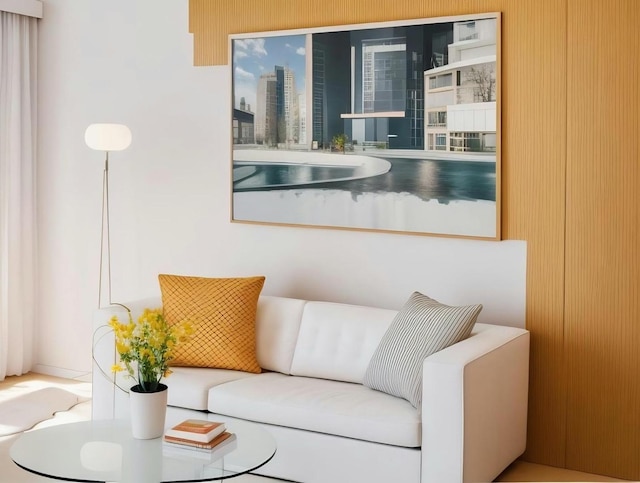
{"points": [[223, 311]]}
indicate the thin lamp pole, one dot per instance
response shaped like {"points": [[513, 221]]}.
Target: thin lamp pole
{"points": [[105, 220]]}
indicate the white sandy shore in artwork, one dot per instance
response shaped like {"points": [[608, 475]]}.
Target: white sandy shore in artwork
{"points": [[302, 156], [374, 166]]}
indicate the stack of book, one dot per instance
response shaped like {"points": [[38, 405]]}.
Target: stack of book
{"points": [[200, 435]]}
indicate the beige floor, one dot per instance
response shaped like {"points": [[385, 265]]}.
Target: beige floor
{"points": [[524, 471], [10, 473], [14, 386]]}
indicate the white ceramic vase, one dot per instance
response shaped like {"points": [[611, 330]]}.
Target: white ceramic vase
{"points": [[148, 412]]}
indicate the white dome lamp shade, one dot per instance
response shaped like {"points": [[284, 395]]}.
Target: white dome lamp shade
{"points": [[106, 137]]}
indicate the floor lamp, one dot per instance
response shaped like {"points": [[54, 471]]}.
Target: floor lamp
{"points": [[107, 138]]}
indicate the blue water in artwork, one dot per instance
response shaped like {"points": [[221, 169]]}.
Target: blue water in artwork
{"points": [[444, 180]]}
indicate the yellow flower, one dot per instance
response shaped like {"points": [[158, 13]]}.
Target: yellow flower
{"points": [[146, 347]]}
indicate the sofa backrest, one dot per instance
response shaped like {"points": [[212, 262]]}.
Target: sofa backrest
{"points": [[321, 339], [318, 339], [337, 341], [307, 338], [277, 326], [315, 339]]}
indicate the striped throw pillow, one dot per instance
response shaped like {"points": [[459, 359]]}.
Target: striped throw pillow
{"points": [[422, 327]]}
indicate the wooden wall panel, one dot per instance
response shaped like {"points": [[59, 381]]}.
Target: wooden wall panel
{"points": [[602, 321], [533, 151], [534, 127], [211, 21]]}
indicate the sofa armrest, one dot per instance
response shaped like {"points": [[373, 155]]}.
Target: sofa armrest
{"points": [[108, 400], [474, 405]]}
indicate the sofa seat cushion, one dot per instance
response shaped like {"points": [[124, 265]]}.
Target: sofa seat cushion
{"points": [[320, 405], [189, 386]]}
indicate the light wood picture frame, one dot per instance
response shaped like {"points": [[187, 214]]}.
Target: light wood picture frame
{"points": [[391, 126]]}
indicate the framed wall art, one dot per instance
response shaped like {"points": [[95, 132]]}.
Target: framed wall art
{"points": [[390, 126]]}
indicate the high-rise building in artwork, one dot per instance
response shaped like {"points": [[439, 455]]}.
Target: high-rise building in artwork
{"points": [[243, 124], [302, 119], [383, 69], [266, 121], [281, 126], [291, 110], [384, 75], [318, 95], [460, 89], [277, 112]]}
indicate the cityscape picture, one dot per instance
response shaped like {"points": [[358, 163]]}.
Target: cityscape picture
{"points": [[390, 127]]}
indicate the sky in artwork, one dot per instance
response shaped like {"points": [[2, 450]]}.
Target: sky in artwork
{"points": [[254, 56]]}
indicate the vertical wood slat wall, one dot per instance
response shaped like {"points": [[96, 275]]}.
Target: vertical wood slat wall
{"points": [[602, 318], [569, 177]]}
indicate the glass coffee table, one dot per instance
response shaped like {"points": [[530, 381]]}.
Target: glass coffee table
{"points": [[105, 451]]}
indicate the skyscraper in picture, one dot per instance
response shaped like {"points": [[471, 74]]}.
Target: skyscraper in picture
{"points": [[277, 111], [461, 89], [291, 109], [302, 119], [266, 121]]}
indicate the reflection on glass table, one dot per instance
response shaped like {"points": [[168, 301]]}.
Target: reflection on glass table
{"points": [[106, 451]]}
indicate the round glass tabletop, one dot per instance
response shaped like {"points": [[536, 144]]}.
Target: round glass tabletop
{"points": [[105, 451]]}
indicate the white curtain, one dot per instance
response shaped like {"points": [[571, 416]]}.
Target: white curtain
{"points": [[18, 107]]}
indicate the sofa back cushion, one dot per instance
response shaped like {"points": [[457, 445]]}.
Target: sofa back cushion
{"points": [[337, 341], [277, 326]]}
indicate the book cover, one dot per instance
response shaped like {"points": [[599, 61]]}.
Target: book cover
{"points": [[196, 430], [222, 449], [197, 444]]}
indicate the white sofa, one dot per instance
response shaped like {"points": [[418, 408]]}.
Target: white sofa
{"points": [[328, 426]]}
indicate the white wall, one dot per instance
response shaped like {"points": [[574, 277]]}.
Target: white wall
{"points": [[130, 61]]}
